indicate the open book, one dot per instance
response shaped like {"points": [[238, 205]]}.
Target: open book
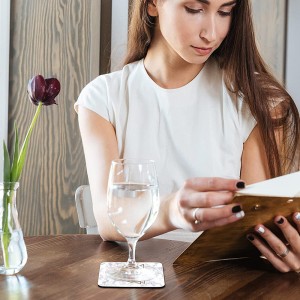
{"points": [[261, 202]]}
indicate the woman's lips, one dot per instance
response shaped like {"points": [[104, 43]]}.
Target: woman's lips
{"points": [[202, 51]]}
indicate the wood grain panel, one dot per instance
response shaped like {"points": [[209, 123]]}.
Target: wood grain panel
{"points": [[57, 38], [270, 28]]}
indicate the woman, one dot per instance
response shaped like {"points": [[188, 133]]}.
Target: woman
{"points": [[195, 96]]}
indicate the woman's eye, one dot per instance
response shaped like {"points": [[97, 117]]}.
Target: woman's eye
{"points": [[225, 13], [192, 11]]}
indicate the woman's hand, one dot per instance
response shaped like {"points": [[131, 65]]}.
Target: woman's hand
{"points": [[283, 255], [203, 203]]}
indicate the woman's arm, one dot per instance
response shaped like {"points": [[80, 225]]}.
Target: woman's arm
{"points": [[100, 148], [254, 159]]}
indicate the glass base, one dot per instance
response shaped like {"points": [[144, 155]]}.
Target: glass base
{"points": [[117, 274], [16, 253]]}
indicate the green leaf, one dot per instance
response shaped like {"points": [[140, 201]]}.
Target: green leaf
{"points": [[14, 167], [6, 167]]}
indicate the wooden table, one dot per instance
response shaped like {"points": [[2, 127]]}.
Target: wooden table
{"points": [[67, 267]]}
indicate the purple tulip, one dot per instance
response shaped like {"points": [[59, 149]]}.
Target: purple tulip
{"points": [[43, 90]]}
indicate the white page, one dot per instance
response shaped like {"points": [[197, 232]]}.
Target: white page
{"points": [[283, 186]]}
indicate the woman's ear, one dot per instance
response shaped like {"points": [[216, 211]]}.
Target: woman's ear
{"points": [[151, 9]]}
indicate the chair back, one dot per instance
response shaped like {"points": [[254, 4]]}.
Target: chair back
{"points": [[84, 206]]}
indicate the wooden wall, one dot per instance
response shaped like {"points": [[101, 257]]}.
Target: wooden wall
{"points": [[61, 38], [57, 38], [270, 28]]}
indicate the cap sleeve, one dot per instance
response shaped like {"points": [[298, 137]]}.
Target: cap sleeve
{"points": [[94, 97]]}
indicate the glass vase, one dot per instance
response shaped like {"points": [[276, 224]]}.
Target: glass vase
{"points": [[13, 254]]}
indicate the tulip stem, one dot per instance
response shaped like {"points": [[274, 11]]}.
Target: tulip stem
{"points": [[6, 224], [22, 155]]}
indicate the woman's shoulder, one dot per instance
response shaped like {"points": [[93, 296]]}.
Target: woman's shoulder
{"points": [[115, 78], [105, 89]]}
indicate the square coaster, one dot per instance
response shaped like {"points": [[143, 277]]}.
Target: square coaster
{"points": [[158, 281]]}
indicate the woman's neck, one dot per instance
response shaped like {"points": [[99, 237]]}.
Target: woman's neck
{"points": [[168, 69]]}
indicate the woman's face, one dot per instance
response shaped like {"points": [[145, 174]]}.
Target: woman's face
{"points": [[192, 29]]}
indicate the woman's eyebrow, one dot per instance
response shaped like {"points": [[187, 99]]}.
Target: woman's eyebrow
{"points": [[204, 1], [229, 3], [224, 4]]}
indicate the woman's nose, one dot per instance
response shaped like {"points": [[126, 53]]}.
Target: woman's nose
{"points": [[208, 30]]}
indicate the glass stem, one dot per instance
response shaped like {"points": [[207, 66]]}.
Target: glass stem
{"points": [[131, 257]]}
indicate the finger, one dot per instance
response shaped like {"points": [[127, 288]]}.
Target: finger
{"points": [[268, 253], [296, 218], [214, 184], [278, 246], [224, 221], [230, 212], [210, 218], [289, 232], [208, 199]]}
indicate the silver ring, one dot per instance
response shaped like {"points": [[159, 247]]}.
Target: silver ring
{"points": [[284, 254], [195, 217]]}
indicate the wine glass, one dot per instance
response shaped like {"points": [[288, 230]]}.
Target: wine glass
{"points": [[133, 204]]}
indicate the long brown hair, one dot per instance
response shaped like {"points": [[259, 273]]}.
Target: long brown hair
{"points": [[246, 75]]}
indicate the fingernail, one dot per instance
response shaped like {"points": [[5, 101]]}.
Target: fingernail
{"points": [[280, 221], [236, 209], [240, 214], [297, 217], [250, 237], [240, 185], [260, 229]]}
